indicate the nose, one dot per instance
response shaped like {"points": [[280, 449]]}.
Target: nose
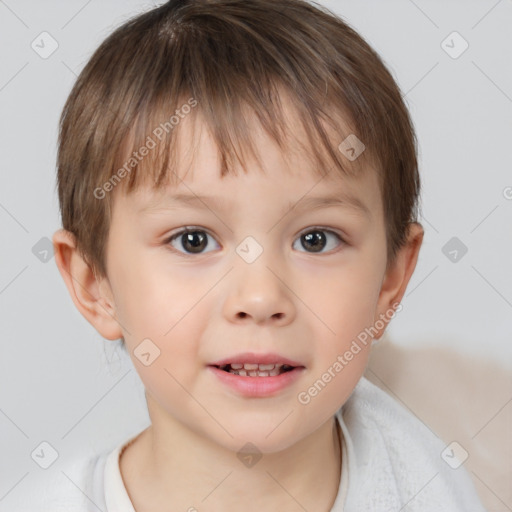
{"points": [[258, 294]]}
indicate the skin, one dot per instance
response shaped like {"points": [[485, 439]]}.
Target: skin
{"points": [[308, 306]]}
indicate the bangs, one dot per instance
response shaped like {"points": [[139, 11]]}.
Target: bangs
{"points": [[152, 152], [193, 77]]}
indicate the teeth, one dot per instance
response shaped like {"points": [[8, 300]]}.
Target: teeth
{"points": [[255, 373], [254, 369], [254, 366]]}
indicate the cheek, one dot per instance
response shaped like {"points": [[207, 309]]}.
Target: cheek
{"points": [[162, 305], [165, 314], [343, 296], [344, 300]]}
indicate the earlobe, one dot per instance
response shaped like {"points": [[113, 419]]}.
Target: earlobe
{"points": [[398, 275], [90, 295]]}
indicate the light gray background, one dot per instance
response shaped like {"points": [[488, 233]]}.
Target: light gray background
{"points": [[62, 383]]}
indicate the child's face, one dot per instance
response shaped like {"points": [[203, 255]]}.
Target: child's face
{"points": [[203, 299]]}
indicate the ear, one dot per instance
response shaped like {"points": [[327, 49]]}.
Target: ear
{"points": [[92, 296], [397, 276]]}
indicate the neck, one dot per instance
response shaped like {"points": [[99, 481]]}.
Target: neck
{"points": [[163, 467]]}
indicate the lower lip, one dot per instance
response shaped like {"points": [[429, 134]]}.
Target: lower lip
{"points": [[258, 386]]}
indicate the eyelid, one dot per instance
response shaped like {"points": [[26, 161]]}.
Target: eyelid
{"points": [[341, 237], [182, 230], [335, 231], [185, 229]]}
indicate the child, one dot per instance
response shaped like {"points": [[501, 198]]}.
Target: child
{"points": [[269, 137]]}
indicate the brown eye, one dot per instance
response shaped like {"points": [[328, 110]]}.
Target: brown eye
{"points": [[315, 240], [193, 241]]}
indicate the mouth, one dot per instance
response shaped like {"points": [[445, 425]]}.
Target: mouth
{"points": [[255, 369], [257, 380]]}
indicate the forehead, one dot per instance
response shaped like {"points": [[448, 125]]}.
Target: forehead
{"points": [[280, 192], [294, 170]]}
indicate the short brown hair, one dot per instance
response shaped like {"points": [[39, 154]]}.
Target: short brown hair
{"points": [[218, 57]]}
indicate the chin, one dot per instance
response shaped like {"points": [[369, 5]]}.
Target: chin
{"points": [[264, 440]]}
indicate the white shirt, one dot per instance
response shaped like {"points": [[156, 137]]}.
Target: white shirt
{"points": [[391, 462]]}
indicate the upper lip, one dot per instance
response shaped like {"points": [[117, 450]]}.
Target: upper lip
{"points": [[251, 357]]}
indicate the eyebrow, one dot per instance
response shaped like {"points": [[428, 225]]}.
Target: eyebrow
{"points": [[343, 199]]}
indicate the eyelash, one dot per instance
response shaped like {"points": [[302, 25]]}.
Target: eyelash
{"points": [[191, 229]]}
